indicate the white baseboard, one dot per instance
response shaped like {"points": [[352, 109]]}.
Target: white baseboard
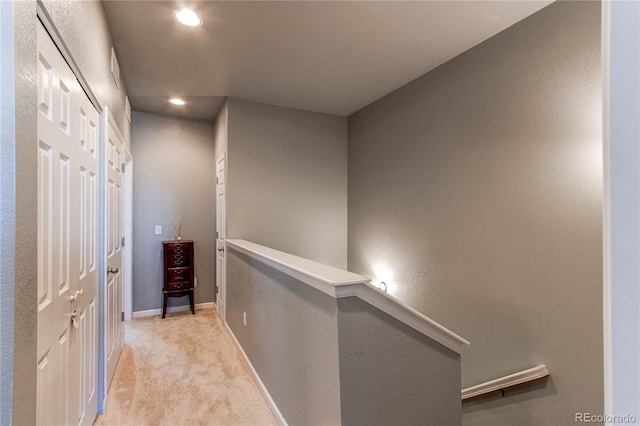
{"points": [[267, 396], [171, 309]]}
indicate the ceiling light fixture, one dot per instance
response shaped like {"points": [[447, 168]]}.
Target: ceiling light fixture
{"points": [[187, 17], [177, 101]]}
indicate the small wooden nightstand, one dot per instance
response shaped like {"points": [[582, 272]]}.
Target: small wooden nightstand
{"points": [[178, 271]]}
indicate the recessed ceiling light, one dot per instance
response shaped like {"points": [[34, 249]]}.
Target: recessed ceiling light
{"points": [[177, 101], [188, 17]]}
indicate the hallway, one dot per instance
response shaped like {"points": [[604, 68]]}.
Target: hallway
{"points": [[183, 370]]}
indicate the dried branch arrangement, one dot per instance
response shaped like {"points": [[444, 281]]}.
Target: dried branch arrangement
{"points": [[177, 230]]}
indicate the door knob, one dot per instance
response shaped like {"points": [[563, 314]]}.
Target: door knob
{"points": [[111, 270], [221, 249], [77, 294], [75, 321]]}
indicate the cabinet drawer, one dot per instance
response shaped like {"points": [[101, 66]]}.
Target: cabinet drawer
{"points": [[177, 260], [177, 248], [179, 286], [179, 275]]}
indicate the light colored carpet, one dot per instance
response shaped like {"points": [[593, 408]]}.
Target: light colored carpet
{"points": [[183, 370]]}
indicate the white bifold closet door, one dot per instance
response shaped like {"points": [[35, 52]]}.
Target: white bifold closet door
{"points": [[68, 179]]}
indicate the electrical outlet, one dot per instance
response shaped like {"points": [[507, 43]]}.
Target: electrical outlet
{"points": [[244, 318], [158, 229]]}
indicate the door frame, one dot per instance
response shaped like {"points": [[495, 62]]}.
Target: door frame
{"points": [[221, 276], [127, 261], [621, 211], [102, 265]]}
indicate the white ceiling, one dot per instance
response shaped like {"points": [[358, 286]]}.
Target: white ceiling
{"points": [[328, 56]]}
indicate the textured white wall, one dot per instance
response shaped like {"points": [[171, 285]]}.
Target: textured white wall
{"points": [[24, 390], [7, 209]]}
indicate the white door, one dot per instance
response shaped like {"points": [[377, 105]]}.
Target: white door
{"points": [[68, 126], [113, 307], [221, 235]]}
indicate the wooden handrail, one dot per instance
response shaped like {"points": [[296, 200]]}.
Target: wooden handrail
{"points": [[502, 383]]}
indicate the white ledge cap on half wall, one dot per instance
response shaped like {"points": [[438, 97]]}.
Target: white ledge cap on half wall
{"points": [[338, 283]]}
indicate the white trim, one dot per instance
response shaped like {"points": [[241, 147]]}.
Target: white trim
{"points": [[606, 211], [103, 386], [127, 261], [263, 389], [405, 314], [501, 383], [114, 123], [321, 277], [171, 310], [338, 283], [621, 207]]}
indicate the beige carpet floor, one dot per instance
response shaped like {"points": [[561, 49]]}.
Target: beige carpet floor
{"points": [[183, 370]]}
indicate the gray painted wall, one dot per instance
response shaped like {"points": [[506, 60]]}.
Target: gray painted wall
{"points": [[291, 339], [337, 361], [174, 180], [476, 192], [89, 49], [390, 374], [7, 209], [287, 180]]}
